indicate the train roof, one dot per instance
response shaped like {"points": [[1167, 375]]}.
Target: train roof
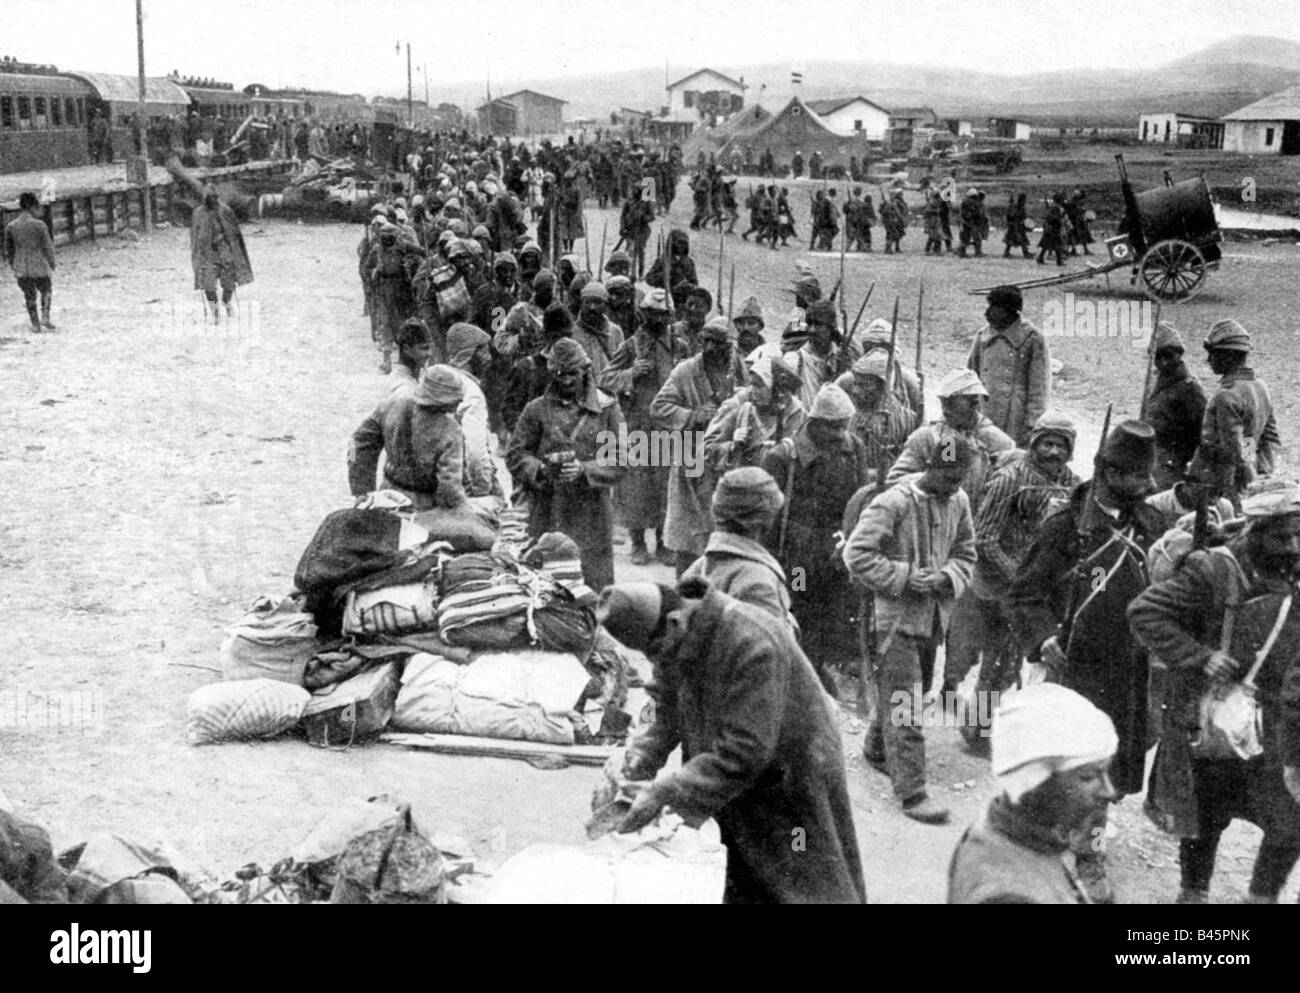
{"points": [[161, 95], [20, 82], [206, 96]]}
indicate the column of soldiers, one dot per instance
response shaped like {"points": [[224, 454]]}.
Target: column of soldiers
{"points": [[872, 536]]}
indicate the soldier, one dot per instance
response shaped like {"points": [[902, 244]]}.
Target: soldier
{"points": [[880, 421], [635, 374], [762, 754], [962, 396], [915, 582], [749, 326], [760, 214], [1051, 752], [681, 265], [729, 211], [29, 251], [877, 341], [419, 434], [735, 562], [1187, 622], [392, 298], [893, 215], [796, 164], [933, 230], [1068, 601], [1055, 230], [529, 374], [619, 264], [622, 308], [756, 418], [823, 357], [1011, 358], [972, 223], [1018, 496], [595, 332], [1239, 437], [1078, 215], [1175, 407], [819, 470], [567, 453], [694, 302], [526, 315], [1016, 236], [686, 405]]}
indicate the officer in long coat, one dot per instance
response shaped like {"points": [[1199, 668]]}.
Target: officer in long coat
{"points": [[819, 470], [636, 374], [686, 405], [566, 453], [761, 748], [1067, 604], [1175, 407]]}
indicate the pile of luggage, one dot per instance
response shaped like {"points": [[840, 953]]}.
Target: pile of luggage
{"points": [[423, 622]]}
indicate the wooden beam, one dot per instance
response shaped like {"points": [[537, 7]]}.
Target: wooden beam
{"points": [[464, 744]]}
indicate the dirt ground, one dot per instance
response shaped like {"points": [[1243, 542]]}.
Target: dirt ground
{"points": [[158, 475]]}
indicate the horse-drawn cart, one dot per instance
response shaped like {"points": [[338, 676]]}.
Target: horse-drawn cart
{"points": [[1169, 240]]}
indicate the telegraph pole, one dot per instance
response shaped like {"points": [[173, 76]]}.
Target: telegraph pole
{"points": [[142, 163], [410, 109]]}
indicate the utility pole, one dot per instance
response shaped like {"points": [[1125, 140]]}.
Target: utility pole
{"points": [[410, 109], [142, 163]]}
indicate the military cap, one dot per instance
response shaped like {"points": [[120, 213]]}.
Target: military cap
{"points": [[1007, 297], [807, 287], [1053, 422], [655, 299], [1167, 338], [567, 354], [481, 231], [1229, 336], [876, 364], [544, 278], [718, 329], [618, 256], [752, 310], [831, 404], [1130, 446], [594, 290], [960, 383]]}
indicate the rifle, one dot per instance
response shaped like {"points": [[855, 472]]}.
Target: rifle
{"points": [[1151, 360], [861, 310], [603, 234], [731, 291], [920, 376], [1085, 525], [893, 342], [586, 241], [722, 250], [844, 247]]}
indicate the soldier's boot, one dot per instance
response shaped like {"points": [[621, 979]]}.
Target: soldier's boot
{"points": [[45, 312], [961, 252], [979, 251], [1186, 895], [665, 556], [924, 810], [386, 362], [640, 555], [1007, 254], [1028, 253], [1041, 260]]}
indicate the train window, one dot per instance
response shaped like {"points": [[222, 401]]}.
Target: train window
{"points": [[6, 112], [41, 122], [70, 111], [24, 113], [56, 112]]}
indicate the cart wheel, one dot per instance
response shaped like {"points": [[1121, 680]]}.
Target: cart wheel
{"points": [[1172, 270]]}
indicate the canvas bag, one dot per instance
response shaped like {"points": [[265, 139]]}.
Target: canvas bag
{"points": [[1230, 715], [274, 640]]}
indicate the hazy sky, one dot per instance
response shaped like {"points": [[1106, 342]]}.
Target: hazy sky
{"points": [[350, 46]]}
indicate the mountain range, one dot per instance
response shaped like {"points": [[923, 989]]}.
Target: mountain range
{"points": [[1213, 81]]}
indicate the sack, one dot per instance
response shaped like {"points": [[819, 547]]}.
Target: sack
{"points": [[1231, 724], [273, 640], [249, 708], [523, 696], [464, 530], [565, 626], [473, 570], [394, 864], [356, 708], [392, 609], [487, 618], [348, 544]]}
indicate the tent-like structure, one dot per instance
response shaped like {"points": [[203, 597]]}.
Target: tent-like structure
{"points": [[795, 127]]}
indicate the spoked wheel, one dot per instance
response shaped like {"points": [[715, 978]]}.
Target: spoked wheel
{"points": [[1172, 270]]}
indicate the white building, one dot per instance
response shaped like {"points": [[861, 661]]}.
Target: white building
{"points": [[1011, 128], [711, 95], [1266, 127], [1175, 128], [852, 115]]}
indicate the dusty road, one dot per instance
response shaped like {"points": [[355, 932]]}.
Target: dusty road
{"points": [[157, 475]]}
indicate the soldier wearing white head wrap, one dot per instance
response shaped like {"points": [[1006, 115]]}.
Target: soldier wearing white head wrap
{"points": [[1051, 749]]}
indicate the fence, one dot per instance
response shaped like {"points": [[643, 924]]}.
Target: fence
{"points": [[102, 214]]}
